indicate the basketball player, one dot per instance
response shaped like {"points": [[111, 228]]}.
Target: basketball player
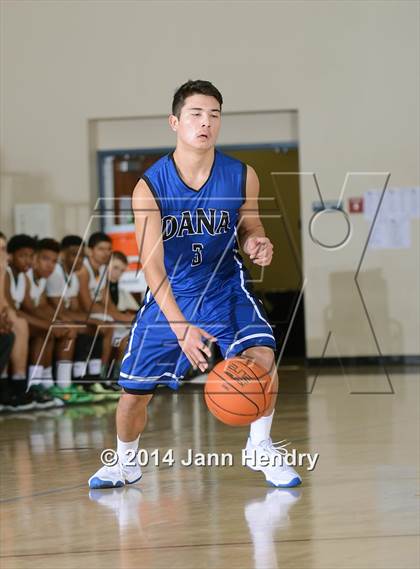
{"points": [[193, 207], [94, 297], [7, 337], [44, 344], [62, 291], [63, 294], [124, 302], [15, 398]]}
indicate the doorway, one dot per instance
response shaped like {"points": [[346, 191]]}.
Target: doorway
{"points": [[279, 285]]}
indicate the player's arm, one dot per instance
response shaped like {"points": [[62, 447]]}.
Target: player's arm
{"points": [[84, 294], [113, 311], [7, 295], [55, 290], [5, 324], [3, 274], [27, 311], [55, 301], [251, 231], [148, 223], [44, 310]]}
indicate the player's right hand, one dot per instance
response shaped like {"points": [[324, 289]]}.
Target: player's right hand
{"points": [[190, 339]]}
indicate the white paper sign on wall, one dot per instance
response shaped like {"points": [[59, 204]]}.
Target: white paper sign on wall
{"points": [[34, 219]]}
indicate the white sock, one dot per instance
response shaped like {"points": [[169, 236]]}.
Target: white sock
{"points": [[79, 369], [63, 372], [35, 375], [94, 366], [47, 377], [123, 448], [260, 429]]}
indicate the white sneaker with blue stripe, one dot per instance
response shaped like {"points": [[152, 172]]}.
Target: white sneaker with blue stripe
{"points": [[268, 458], [114, 476]]}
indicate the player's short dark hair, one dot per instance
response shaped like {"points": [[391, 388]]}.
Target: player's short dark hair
{"points": [[48, 244], [71, 241], [191, 87], [98, 237], [20, 241], [3, 236], [120, 256]]}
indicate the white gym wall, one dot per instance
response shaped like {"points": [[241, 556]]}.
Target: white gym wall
{"points": [[351, 73]]}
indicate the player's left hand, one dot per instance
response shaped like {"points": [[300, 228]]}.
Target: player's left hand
{"points": [[260, 250]]}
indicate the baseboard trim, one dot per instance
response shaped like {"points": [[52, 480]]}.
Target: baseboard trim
{"points": [[355, 361]]}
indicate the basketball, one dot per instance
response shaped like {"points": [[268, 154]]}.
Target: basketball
{"points": [[237, 391]]}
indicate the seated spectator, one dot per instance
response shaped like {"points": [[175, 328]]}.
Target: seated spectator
{"points": [[93, 293], [62, 290], [63, 284], [7, 337], [124, 302], [22, 248], [27, 292], [63, 294], [44, 261]]}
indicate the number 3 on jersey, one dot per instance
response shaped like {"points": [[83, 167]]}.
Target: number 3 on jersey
{"points": [[198, 257]]}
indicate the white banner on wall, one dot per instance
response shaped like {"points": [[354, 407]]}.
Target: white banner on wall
{"points": [[393, 224], [34, 219]]}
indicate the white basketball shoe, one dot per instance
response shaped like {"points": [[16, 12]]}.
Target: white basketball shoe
{"points": [[114, 476], [268, 457]]}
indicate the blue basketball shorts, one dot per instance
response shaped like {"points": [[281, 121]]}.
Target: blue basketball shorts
{"points": [[232, 314]]}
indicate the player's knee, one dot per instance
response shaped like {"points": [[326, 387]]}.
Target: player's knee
{"points": [[135, 401]]}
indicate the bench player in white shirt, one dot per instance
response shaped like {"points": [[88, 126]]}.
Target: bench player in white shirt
{"points": [[59, 344], [19, 287], [20, 329], [63, 290], [94, 297], [124, 302], [14, 360]]}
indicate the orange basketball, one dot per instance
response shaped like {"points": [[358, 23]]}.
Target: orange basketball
{"points": [[237, 391]]}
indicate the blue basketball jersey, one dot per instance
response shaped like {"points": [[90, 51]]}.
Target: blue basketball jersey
{"points": [[199, 226], [207, 275]]}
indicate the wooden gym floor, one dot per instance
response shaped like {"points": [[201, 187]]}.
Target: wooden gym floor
{"points": [[357, 509]]}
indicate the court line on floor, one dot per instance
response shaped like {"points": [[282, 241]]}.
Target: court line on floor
{"points": [[44, 493], [63, 489], [198, 545]]}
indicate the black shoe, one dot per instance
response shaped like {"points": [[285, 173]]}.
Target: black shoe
{"points": [[40, 397], [16, 398], [4, 393]]}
